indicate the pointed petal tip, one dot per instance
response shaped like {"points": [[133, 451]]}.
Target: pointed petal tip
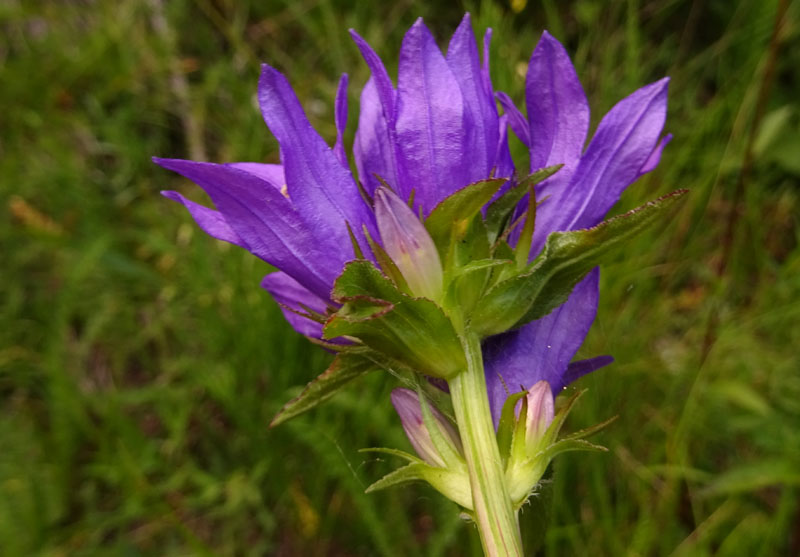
{"points": [[177, 165], [164, 162], [657, 86], [170, 194], [266, 71], [549, 42], [357, 38], [418, 29], [546, 36]]}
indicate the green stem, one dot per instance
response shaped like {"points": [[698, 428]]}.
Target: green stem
{"points": [[496, 519]]}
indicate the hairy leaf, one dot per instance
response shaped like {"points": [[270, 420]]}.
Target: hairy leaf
{"points": [[565, 259], [345, 367]]}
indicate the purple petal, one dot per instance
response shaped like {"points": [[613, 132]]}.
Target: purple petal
{"points": [[503, 163], [373, 148], [621, 147], [558, 112], [480, 112], [210, 221], [430, 122], [542, 349], [266, 223], [383, 83], [655, 157], [503, 166], [578, 369], [271, 173], [518, 122], [485, 74], [320, 187], [292, 296], [341, 120]]}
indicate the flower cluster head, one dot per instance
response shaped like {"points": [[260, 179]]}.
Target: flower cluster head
{"points": [[440, 235]]}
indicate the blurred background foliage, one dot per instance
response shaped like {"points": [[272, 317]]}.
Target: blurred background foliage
{"points": [[140, 363]]}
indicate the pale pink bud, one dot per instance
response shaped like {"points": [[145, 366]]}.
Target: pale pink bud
{"points": [[540, 412], [407, 404], [408, 244]]}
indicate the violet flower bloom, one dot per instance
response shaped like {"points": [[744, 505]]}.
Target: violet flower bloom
{"points": [[625, 146], [434, 134]]}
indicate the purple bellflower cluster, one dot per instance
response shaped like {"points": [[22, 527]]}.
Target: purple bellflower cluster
{"points": [[442, 261]]}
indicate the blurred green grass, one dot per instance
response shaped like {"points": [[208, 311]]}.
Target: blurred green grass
{"points": [[140, 362]]}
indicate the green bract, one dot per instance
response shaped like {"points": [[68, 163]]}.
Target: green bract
{"points": [[486, 288]]}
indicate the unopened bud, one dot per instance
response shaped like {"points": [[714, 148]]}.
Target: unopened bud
{"points": [[407, 404], [540, 413], [409, 245]]}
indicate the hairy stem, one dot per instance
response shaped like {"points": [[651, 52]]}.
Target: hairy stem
{"points": [[496, 519]]}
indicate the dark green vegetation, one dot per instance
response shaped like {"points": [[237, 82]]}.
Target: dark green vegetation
{"points": [[140, 363]]}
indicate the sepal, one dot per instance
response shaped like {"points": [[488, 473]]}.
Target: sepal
{"points": [[450, 220], [453, 484], [500, 212], [534, 442], [414, 331]]}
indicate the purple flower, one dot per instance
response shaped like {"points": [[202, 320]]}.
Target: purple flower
{"points": [[436, 132], [625, 146]]}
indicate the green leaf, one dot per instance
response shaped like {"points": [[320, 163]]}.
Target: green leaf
{"points": [[409, 473], [361, 279], [452, 483], [480, 265], [566, 445], [505, 428], [566, 258], [414, 331], [560, 417], [498, 214], [394, 452], [465, 290], [580, 434], [502, 251], [345, 367], [451, 218], [354, 242]]}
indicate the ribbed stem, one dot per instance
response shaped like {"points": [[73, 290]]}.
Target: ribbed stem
{"points": [[496, 519]]}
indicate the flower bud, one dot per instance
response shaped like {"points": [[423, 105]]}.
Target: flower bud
{"points": [[408, 406], [539, 415], [409, 245]]}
